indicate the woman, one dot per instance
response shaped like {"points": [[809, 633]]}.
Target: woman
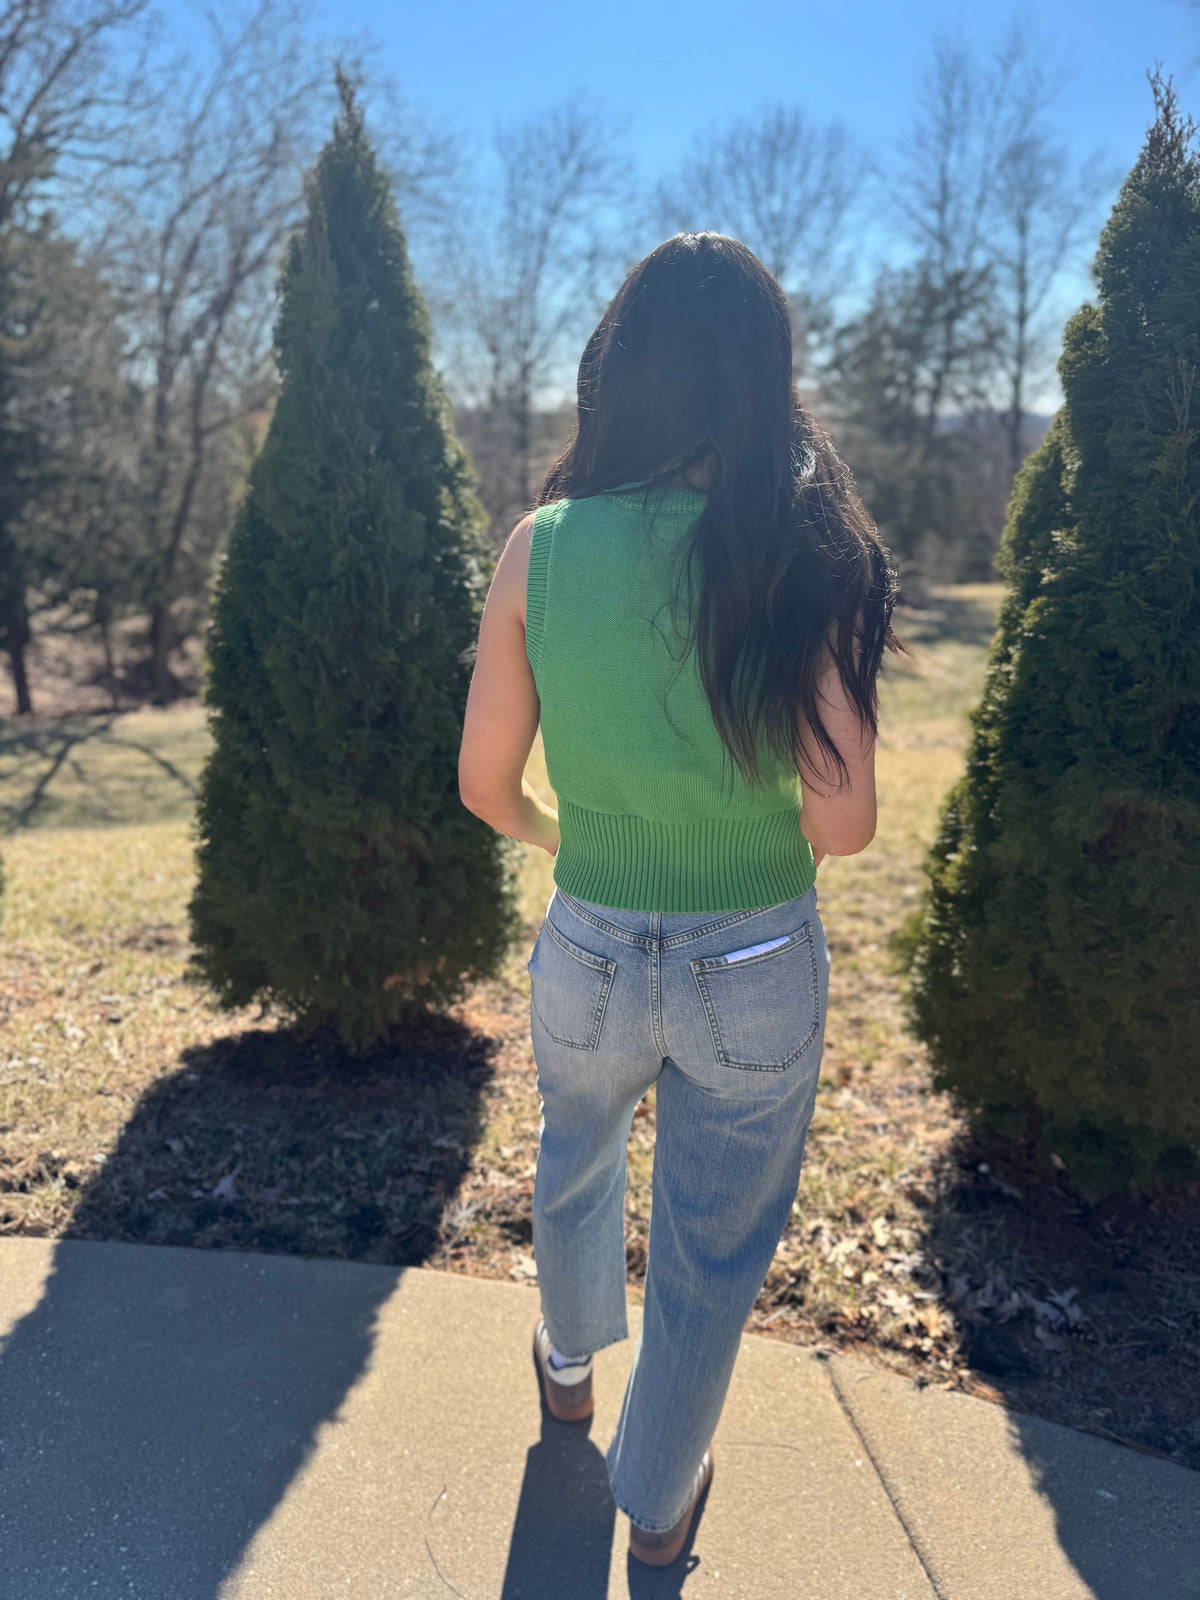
{"points": [[696, 614]]}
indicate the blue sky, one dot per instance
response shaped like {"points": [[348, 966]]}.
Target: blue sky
{"points": [[666, 67]]}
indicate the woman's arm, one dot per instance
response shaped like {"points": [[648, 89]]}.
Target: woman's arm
{"points": [[503, 710], [838, 815]]}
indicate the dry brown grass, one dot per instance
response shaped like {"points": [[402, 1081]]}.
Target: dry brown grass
{"points": [[131, 1109]]}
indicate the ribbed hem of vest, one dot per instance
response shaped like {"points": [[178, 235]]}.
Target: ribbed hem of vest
{"points": [[717, 864]]}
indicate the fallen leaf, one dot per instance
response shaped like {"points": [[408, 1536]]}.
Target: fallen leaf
{"points": [[226, 1187], [523, 1266], [1006, 1309], [1066, 1303], [896, 1302], [931, 1319], [1042, 1310]]}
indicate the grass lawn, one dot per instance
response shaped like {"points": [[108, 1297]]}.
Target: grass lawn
{"points": [[130, 1108]]}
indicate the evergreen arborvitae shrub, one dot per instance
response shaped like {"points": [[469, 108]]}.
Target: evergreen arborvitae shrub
{"points": [[340, 876], [1056, 971]]}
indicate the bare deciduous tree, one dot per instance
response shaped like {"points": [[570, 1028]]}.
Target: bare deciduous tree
{"points": [[198, 240], [81, 522], [526, 273], [195, 240], [927, 475], [995, 210], [786, 188], [1044, 209], [61, 103], [944, 190]]}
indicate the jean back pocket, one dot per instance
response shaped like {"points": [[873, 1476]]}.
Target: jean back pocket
{"points": [[569, 988], [763, 1002]]}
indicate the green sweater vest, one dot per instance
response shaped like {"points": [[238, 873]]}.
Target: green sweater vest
{"points": [[653, 815]]}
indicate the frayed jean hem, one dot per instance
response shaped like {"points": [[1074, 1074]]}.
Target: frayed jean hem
{"points": [[615, 1338], [645, 1527]]}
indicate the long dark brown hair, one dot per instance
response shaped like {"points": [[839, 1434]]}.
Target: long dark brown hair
{"points": [[691, 362]]}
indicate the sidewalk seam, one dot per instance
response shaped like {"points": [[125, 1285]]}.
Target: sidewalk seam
{"points": [[914, 1540]]}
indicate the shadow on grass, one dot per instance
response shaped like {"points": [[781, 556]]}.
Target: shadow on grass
{"points": [[78, 770], [35, 757], [1087, 1315], [968, 618], [153, 1421], [266, 1142], [174, 773]]}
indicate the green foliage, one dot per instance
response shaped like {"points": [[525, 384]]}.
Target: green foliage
{"points": [[1055, 976], [340, 876]]}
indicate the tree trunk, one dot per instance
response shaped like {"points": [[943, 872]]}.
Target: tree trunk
{"points": [[524, 429], [163, 682], [1021, 321], [16, 645], [110, 667]]}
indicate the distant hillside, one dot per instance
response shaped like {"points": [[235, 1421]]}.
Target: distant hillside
{"points": [[1034, 424]]}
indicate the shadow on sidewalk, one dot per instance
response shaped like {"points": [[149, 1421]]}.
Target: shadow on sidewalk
{"points": [[562, 1538], [1123, 1519], [151, 1422], [563, 1531], [1086, 1315]]}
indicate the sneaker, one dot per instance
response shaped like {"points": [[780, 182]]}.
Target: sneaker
{"points": [[568, 1390], [660, 1549]]}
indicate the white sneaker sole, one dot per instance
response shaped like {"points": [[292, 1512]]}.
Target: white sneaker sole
{"points": [[568, 1390]]}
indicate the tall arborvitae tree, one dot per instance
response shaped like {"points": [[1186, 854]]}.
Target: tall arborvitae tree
{"points": [[1057, 975], [340, 876]]}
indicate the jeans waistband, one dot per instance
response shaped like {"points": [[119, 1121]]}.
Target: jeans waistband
{"points": [[666, 927]]}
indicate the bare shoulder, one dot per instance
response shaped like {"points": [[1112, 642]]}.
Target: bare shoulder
{"points": [[522, 534], [512, 569]]}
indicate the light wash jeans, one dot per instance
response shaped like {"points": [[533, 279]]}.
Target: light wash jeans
{"points": [[620, 1000]]}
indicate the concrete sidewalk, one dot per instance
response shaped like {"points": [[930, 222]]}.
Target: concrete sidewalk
{"points": [[203, 1425]]}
